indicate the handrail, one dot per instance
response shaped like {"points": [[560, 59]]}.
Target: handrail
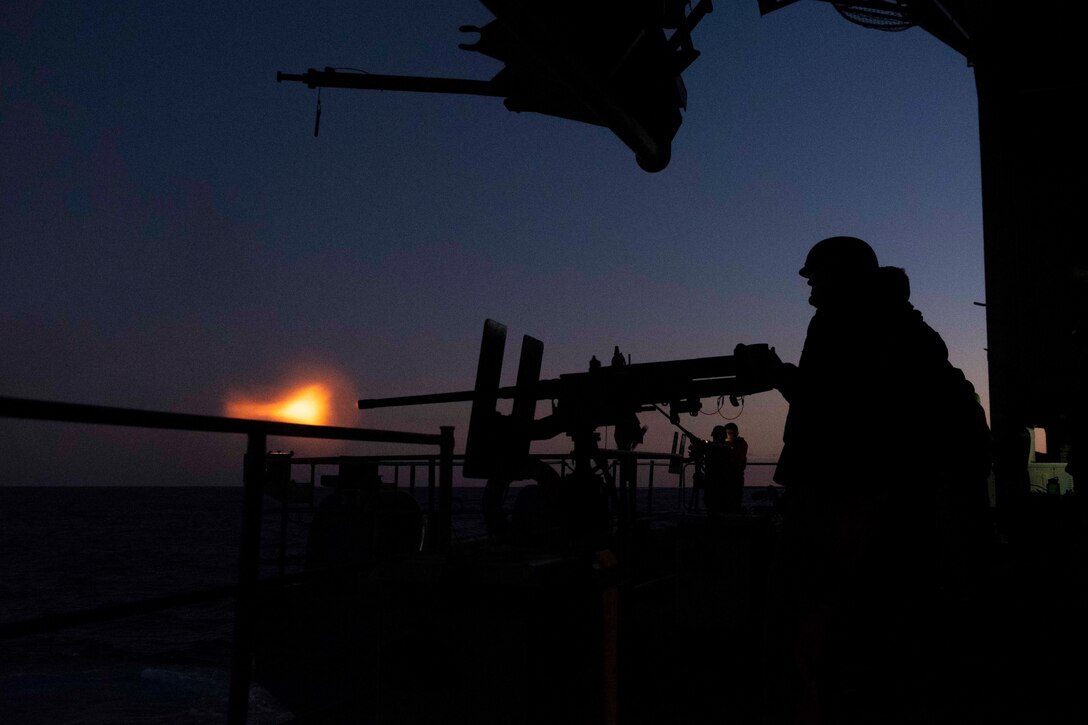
{"points": [[131, 417]]}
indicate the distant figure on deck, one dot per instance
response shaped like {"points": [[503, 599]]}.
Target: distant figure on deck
{"points": [[719, 471], [725, 470], [867, 520]]}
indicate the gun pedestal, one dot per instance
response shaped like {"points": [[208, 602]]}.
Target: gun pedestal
{"points": [[592, 482]]}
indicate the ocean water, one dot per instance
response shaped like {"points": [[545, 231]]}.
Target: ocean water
{"points": [[67, 549]]}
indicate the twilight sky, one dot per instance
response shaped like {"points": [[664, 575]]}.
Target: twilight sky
{"points": [[173, 236]]}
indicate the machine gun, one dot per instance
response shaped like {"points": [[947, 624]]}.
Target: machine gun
{"points": [[605, 63], [497, 445]]}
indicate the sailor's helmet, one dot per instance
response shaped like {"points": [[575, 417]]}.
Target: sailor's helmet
{"points": [[840, 254]]}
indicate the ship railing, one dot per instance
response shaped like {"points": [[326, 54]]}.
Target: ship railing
{"points": [[247, 590], [414, 472], [649, 486], [418, 474]]}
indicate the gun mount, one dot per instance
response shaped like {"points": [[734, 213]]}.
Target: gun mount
{"points": [[605, 395], [497, 445]]}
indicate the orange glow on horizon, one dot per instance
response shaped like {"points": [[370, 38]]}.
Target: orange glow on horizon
{"points": [[307, 404]]}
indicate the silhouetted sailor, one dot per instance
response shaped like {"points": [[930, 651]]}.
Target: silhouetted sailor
{"points": [[724, 459], [734, 469], [868, 499]]}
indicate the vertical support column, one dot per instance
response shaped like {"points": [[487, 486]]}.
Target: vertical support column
{"points": [[628, 477], [431, 507], [608, 586], [248, 561], [621, 490], [283, 530], [650, 490], [445, 485], [628, 484], [632, 485]]}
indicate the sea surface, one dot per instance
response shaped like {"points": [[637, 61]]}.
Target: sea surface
{"points": [[64, 549]]}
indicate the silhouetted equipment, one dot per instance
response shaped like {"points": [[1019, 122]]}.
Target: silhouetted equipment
{"points": [[277, 469], [364, 522], [940, 18], [581, 402], [278, 483], [612, 63], [497, 445]]}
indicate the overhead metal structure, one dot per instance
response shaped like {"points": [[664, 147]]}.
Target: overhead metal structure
{"points": [[612, 63]]}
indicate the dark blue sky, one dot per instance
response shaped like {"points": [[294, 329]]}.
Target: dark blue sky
{"points": [[173, 234]]}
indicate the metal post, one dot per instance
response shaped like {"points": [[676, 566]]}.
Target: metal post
{"points": [[430, 486], [283, 530], [631, 480], [248, 562], [628, 481], [650, 490], [608, 586], [445, 485]]}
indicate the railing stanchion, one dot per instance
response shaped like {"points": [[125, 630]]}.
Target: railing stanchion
{"points": [[431, 507], [249, 559], [283, 529], [313, 478], [650, 490], [445, 484]]}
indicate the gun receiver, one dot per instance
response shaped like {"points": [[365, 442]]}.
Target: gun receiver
{"points": [[582, 402]]}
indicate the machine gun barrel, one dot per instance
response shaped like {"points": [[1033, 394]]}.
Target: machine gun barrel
{"points": [[638, 383], [431, 399], [332, 78], [584, 401]]}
